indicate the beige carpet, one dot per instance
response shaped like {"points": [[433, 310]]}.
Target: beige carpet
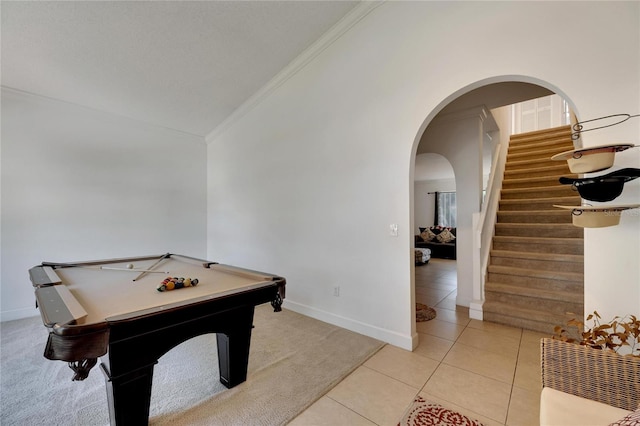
{"points": [[293, 361]]}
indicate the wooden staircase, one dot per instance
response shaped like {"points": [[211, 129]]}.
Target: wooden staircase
{"points": [[535, 275]]}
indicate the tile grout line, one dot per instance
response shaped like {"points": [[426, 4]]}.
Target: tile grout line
{"points": [[515, 372], [467, 326], [355, 412]]}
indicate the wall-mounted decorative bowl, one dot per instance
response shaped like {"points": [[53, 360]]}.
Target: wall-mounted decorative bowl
{"points": [[602, 188], [592, 159], [597, 216]]}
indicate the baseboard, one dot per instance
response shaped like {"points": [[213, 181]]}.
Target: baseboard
{"points": [[391, 337], [475, 310], [17, 314], [415, 341], [396, 339]]}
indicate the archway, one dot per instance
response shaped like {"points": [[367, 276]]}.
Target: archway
{"points": [[471, 106], [435, 280]]}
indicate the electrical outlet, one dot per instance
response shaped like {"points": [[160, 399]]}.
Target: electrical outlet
{"points": [[336, 291], [393, 229]]}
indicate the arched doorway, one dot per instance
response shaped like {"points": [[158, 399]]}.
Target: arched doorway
{"points": [[434, 210], [457, 129]]}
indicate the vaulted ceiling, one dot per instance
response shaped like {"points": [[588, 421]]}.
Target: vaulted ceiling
{"points": [[185, 65]]}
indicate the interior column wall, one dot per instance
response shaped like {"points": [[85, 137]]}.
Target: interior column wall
{"points": [[459, 139]]}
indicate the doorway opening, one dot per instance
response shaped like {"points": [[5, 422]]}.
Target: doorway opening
{"points": [[467, 129]]}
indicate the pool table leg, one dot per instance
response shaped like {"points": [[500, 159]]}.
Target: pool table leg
{"points": [[233, 349], [129, 396]]}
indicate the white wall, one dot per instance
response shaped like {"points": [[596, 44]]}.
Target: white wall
{"points": [[78, 184], [612, 254], [306, 183]]}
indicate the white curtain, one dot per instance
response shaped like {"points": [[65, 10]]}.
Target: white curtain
{"points": [[445, 209]]}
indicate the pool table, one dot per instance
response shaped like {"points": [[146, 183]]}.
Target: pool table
{"points": [[114, 310]]}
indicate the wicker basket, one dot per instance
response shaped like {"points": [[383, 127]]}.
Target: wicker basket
{"points": [[602, 376]]}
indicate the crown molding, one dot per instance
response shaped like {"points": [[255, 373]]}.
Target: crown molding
{"points": [[59, 101], [326, 40]]}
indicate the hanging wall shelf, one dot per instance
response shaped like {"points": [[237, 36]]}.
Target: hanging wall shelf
{"points": [[604, 122], [600, 188], [597, 216], [592, 159]]}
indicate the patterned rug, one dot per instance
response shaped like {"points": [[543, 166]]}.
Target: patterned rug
{"points": [[424, 312], [425, 413]]}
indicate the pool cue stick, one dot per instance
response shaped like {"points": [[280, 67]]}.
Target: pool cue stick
{"points": [[130, 270], [152, 266], [113, 268], [97, 267]]}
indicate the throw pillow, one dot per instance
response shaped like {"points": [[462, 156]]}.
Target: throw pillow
{"points": [[446, 236], [631, 419], [428, 235]]}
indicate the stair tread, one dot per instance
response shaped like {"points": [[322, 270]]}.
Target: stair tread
{"points": [[536, 273], [551, 165], [530, 161], [533, 216], [564, 198], [498, 309], [566, 129], [541, 229], [556, 295], [554, 212], [538, 149], [539, 240], [551, 257], [554, 177], [560, 142], [559, 188], [534, 224], [550, 150], [559, 166], [532, 314]]}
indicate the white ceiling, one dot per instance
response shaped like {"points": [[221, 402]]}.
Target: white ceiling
{"points": [[185, 65]]}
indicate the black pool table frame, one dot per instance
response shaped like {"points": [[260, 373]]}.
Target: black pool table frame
{"points": [[130, 347]]}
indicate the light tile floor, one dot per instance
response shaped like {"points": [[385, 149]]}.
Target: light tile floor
{"points": [[487, 371]]}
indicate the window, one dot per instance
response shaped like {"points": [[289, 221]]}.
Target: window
{"points": [[445, 214], [540, 113]]}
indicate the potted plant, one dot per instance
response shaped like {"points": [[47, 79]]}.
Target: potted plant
{"points": [[599, 364]]}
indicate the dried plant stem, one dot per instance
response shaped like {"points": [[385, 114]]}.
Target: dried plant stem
{"points": [[618, 333]]}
